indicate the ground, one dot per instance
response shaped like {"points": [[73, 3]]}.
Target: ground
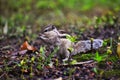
{"points": [[24, 56]]}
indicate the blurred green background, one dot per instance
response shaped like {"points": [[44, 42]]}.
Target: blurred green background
{"points": [[32, 15]]}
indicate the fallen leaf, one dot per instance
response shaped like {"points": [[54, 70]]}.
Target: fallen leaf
{"points": [[26, 46]]}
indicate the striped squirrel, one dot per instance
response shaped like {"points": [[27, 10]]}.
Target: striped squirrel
{"points": [[54, 38]]}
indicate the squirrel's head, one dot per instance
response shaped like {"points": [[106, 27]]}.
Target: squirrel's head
{"points": [[49, 28], [50, 31]]}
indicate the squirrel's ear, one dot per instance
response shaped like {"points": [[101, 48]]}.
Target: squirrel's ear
{"points": [[53, 27]]}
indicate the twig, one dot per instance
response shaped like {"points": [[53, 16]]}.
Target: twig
{"points": [[78, 63]]}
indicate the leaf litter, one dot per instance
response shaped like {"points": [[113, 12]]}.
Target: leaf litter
{"points": [[22, 61]]}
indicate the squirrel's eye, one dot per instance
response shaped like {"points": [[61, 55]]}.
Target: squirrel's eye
{"points": [[45, 30]]}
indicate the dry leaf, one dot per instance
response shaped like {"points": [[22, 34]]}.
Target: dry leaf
{"points": [[26, 46]]}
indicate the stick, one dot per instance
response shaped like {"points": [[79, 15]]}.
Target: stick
{"points": [[77, 64]]}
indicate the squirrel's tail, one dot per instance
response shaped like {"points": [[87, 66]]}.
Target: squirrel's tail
{"points": [[86, 45]]}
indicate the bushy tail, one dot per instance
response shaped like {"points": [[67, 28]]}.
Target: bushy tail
{"points": [[86, 45]]}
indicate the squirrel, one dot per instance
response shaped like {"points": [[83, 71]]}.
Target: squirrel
{"points": [[51, 36]]}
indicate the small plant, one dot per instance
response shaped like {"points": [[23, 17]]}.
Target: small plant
{"points": [[71, 38], [41, 58], [109, 51], [42, 52], [71, 71], [23, 64], [99, 73], [105, 42], [32, 60], [48, 59], [44, 60], [98, 57]]}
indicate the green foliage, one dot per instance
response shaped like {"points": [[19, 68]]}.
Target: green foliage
{"points": [[22, 62], [105, 42], [99, 58], [71, 71], [48, 59], [41, 12], [59, 4], [73, 62], [95, 70], [99, 73], [44, 60], [18, 4], [42, 52], [71, 38], [113, 59], [84, 57], [70, 49]]}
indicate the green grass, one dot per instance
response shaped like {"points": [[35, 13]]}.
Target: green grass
{"points": [[35, 14]]}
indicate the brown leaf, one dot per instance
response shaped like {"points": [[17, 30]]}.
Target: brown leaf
{"points": [[26, 46]]}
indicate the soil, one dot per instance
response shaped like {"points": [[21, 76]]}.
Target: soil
{"points": [[11, 55]]}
